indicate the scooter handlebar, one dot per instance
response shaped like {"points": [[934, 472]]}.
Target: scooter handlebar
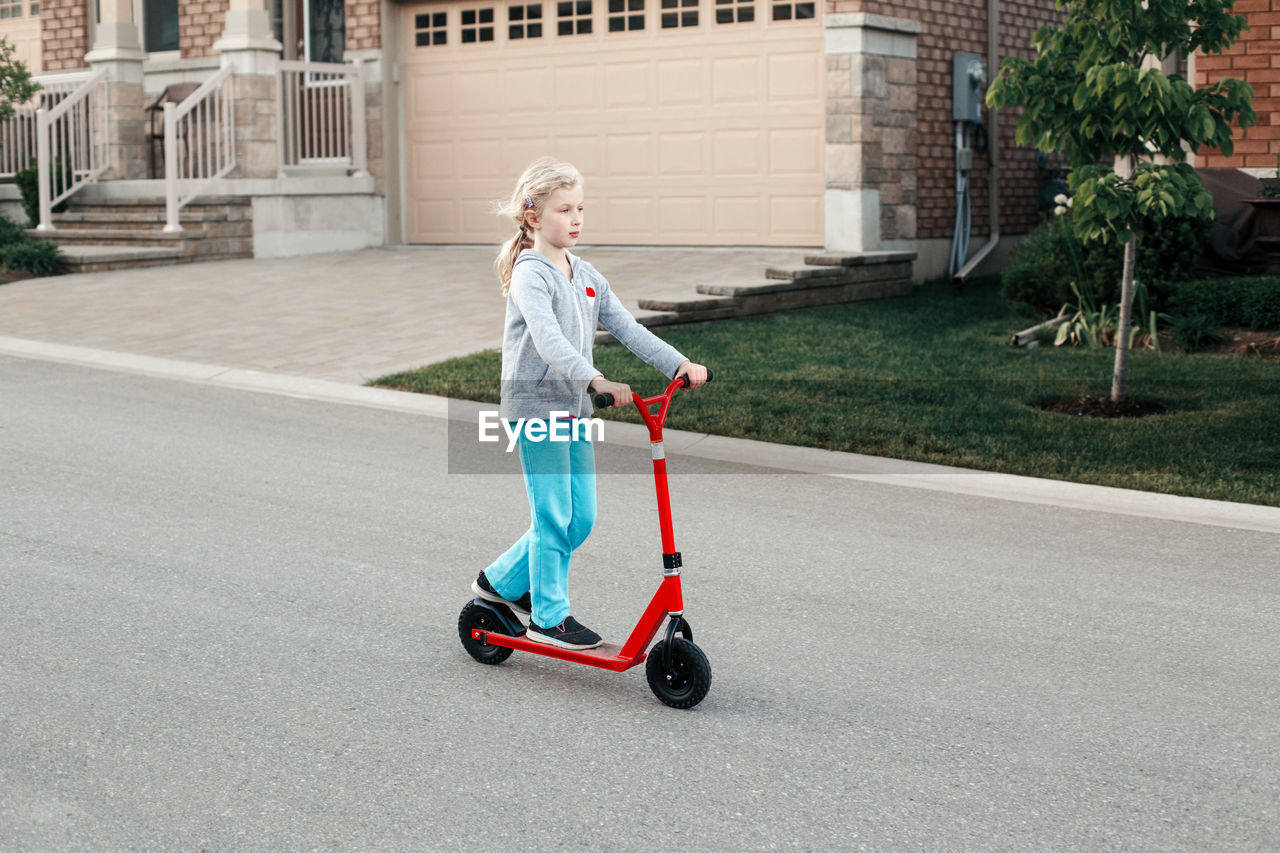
{"points": [[604, 401]]}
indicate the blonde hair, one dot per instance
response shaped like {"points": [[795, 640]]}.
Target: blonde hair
{"points": [[542, 178]]}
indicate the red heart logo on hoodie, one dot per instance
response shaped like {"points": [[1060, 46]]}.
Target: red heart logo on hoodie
{"points": [[591, 292]]}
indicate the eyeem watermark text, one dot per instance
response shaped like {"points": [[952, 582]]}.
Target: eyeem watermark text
{"points": [[560, 427]]}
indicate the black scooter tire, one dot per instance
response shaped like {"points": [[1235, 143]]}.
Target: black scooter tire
{"points": [[688, 679], [477, 617]]}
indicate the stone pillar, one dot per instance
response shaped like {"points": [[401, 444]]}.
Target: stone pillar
{"points": [[249, 47], [118, 50], [871, 132]]}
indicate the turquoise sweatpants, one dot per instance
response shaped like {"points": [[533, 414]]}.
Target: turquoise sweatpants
{"points": [[560, 480]]}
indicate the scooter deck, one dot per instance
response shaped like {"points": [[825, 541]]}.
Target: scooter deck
{"points": [[606, 656]]}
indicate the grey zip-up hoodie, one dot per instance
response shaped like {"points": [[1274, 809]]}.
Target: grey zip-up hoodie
{"points": [[550, 330]]}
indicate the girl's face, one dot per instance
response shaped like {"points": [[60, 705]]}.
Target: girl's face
{"points": [[561, 219]]}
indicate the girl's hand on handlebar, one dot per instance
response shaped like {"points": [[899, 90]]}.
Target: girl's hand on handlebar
{"points": [[697, 374], [620, 391]]}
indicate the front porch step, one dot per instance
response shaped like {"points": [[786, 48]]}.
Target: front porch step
{"points": [[114, 236], [97, 258], [213, 228]]}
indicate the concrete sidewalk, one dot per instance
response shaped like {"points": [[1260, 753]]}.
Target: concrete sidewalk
{"points": [[344, 317]]}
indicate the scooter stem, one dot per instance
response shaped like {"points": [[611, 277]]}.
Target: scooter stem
{"points": [[670, 556]]}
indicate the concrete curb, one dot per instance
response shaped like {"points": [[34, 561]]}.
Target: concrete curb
{"points": [[852, 466]]}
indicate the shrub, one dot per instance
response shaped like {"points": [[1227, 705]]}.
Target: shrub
{"points": [[1247, 303], [39, 257], [28, 182], [10, 231], [1194, 331], [1048, 259]]}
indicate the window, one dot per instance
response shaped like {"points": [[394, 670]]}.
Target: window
{"points": [[735, 11], [160, 25], [524, 21], [626, 15], [35, 8], [477, 25], [792, 11], [574, 17], [429, 29], [679, 13], [326, 30]]}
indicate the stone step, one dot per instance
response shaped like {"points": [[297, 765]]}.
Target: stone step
{"points": [[835, 277], [78, 203], [683, 306], [115, 236], [96, 258], [805, 273], [860, 259], [95, 218]]}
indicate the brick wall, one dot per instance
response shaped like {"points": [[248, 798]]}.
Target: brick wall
{"points": [[200, 24], [364, 24], [1254, 58], [64, 34], [950, 27]]}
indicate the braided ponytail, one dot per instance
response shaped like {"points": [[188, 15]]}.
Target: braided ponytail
{"points": [[543, 177]]}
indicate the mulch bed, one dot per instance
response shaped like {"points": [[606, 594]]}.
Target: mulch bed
{"points": [[1099, 406]]}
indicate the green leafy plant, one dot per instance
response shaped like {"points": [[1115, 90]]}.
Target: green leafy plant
{"points": [[39, 257], [1090, 93], [16, 85], [28, 181], [1195, 332], [10, 231], [1097, 325]]}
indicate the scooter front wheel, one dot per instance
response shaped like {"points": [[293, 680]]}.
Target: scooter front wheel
{"points": [[473, 616], [686, 681]]}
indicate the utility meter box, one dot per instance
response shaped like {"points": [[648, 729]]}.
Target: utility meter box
{"points": [[968, 86]]}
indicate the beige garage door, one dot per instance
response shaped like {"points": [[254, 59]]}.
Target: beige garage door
{"points": [[694, 122]]}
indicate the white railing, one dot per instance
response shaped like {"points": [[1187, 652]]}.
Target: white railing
{"points": [[18, 131], [199, 143], [322, 121], [71, 143]]}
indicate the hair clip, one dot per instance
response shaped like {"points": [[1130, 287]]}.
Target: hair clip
{"points": [[528, 202]]}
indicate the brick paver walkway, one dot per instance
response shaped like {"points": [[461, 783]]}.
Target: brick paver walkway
{"points": [[347, 317]]}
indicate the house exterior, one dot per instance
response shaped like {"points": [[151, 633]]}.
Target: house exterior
{"points": [[697, 122], [1254, 58]]}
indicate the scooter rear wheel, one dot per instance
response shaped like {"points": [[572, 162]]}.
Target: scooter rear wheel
{"points": [[686, 682], [477, 617]]}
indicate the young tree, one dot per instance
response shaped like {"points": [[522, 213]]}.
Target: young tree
{"points": [[16, 85], [1096, 92]]}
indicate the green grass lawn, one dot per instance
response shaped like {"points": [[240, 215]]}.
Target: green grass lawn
{"points": [[932, 377]]}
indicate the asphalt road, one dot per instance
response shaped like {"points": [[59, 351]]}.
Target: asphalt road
{"points": [[228, 622]]}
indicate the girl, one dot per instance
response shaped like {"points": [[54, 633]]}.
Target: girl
{"points": [[554, 302]]}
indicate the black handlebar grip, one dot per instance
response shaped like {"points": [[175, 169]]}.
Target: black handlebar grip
{"points": [[685, 377]]}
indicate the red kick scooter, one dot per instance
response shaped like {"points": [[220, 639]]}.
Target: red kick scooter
{"points": [[678, 671]]}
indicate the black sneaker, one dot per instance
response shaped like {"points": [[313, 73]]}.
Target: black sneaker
{"points": [[569, 634], [480, 586]]}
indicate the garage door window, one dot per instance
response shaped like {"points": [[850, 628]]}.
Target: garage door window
{"points": [[477, 25], [792, 11], [524, 21], [429, 29], [735, 11], [575, 17], [626, 15], [679, 13]]}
